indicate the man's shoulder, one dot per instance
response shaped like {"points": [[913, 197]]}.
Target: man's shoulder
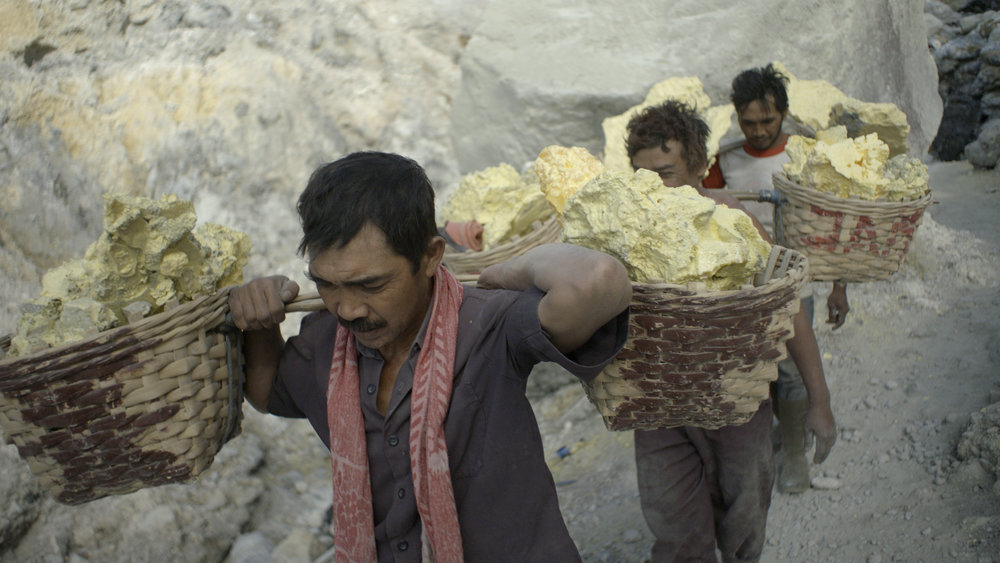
{"points": [[741, 158], [476, 300]]}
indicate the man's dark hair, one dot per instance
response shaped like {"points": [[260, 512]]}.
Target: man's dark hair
{"points": [[669, 121], [756, 83], [387, 190]]}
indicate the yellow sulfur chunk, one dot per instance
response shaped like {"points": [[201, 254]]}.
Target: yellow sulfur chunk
{"points": [[819, 105], [907, 178], [500, 200], [562, 171], [858, 167], [843, 168], [673, 235], [862, 118], [147, 253]]}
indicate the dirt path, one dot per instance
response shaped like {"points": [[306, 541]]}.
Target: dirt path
{"points": [[918, 355]]}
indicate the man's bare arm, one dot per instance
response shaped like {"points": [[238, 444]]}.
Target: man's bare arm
{"points": [[819, 421], [258, 308], [584, 289]]}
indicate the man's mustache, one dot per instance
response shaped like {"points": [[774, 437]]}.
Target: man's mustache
{"points": [[360, 325]]}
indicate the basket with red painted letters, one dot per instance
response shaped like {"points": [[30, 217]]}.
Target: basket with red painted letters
{"points": [[846, 239]]}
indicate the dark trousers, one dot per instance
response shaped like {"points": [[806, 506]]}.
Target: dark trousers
{"points": [[701, 488]]}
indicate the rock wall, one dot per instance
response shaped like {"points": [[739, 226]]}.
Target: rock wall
{"points": [[228, 103], [964, 38], [541, 72]]}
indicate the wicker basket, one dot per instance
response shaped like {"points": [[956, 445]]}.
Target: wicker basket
{"points": [[474, 262], [140, 405], [697, 357], [849, 240]]}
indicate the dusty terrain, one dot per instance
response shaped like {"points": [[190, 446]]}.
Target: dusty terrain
{"points": [[918, 355]]}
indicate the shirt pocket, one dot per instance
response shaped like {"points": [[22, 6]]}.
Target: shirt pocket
{"points": [[465, 432]]}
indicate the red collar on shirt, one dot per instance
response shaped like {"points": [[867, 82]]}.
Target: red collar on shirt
{"points": [[765, 153]]}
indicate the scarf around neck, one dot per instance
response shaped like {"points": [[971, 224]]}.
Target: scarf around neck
{"points": [[353, 519]]}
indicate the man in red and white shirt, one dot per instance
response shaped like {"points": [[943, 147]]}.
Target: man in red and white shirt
{"points": [[761, 102]]}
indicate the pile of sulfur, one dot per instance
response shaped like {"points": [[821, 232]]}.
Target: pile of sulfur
{"points": [[661, 234], [858, 167], [562, 171], [500, 199], [149, 254]]}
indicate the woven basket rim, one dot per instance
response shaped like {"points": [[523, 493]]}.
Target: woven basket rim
{"points": [[851, 204], [202, 301], [541, 233]]}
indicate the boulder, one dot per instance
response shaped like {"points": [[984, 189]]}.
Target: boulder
{"points": [[942, 11], [958, 127], [541, 72], [21, 494], [984, 152], [981, 439], [253, 547]]}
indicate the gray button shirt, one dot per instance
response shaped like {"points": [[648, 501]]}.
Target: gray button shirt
{"points": [[504, 493]]}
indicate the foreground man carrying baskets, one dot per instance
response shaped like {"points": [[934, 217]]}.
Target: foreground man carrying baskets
{"points": [[419, 392]]}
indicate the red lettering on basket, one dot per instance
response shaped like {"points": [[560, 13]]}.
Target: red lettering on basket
{"points": [[829, 242], [864, 235]]}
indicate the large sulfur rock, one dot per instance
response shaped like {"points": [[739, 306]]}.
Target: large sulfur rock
{"points": [[502, 200], [672, 235], [542, 72], [857, 167]]}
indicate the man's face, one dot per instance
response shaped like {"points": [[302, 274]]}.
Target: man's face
{"points": [[761, 123], [669, 164], [374, 291]]}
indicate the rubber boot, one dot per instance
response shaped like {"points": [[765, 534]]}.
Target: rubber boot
{"points": [[793, 471]]}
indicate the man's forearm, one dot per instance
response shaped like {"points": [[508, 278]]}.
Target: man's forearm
{"points": [[584, 289], [805, 353], [262, 352]]}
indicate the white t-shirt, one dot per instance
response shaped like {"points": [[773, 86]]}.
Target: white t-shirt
{"points": [[746, 172]]}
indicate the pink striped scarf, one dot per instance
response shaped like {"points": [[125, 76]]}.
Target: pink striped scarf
{"points": [[353, 522]]}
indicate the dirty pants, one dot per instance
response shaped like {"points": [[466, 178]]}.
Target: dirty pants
{"points": [[700, 487]]}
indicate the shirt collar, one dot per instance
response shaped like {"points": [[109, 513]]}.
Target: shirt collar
{"points": [[777, 149]]}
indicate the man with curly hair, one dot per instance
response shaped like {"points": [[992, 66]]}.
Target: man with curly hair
{"points": [[706, 489]]}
